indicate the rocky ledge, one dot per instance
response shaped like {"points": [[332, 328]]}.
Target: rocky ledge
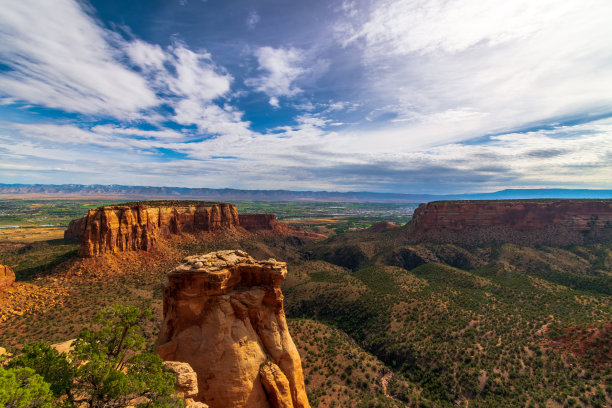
{"points": [[528, 222], [223, 314]]}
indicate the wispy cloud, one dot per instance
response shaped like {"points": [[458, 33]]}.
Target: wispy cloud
{"points": [[445, 71], [410, 95], [314, 156], [280, 68], [252, 19], [81, 67], [69, 66]]}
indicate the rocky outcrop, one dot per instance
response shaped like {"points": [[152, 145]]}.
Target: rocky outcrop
{"points": [[75, 229], [526, 222], [186, 385], [223, 314], [139, 226], [267, 224], [7, 277]]}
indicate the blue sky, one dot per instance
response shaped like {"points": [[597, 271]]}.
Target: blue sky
{"points": [[410, 96]]}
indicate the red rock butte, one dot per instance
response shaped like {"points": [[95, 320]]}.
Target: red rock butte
{"points": [[7, 277], [223, 314], [139, 226], [528, 222]]}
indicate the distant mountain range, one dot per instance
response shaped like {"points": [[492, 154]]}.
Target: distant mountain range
{"points": [[229, 194]]}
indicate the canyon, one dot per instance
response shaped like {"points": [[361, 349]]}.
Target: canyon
{"points": [[528, 222], [224, 316]]}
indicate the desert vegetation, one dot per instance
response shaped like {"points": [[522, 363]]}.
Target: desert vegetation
{"points": [[378, 321]]}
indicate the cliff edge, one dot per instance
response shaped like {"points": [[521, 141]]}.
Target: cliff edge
{"points": [[138, 226], [523, 222], [141, 225], [223, 314]]}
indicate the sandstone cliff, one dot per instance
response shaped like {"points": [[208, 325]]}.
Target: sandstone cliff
{"points": [[223, 314], [529, 222], [7, 277], [138, 226], [75, 229]]}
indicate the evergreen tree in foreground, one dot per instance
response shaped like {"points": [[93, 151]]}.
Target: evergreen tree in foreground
{"points": [[107, 367]]}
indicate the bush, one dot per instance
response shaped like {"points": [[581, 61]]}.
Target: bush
{"points": [[21, 387]]}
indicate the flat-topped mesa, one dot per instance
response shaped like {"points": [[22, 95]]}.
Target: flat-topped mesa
{"points": [[7, 277], [528, 222], [138, 226], [223, 314]]}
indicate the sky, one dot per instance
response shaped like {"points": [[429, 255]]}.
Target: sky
{"points": [[402, 96]]}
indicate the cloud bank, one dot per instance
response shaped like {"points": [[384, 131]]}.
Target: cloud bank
{"points": [[402, 96]]}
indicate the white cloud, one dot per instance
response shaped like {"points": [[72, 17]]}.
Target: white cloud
{"points": [[423, 26], [60, 58], [274, 102], [211, 119], [449, 70], [252, 20], [163, 134], [145, 55], [196, 76], [190, 82], [308, 154], [281, 67]]}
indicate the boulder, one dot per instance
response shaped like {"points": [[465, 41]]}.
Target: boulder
{"points": [[186, 379]]}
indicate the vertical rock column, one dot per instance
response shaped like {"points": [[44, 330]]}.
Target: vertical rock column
{"points": [[223, 314]]}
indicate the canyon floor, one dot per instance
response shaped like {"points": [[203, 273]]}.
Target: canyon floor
{"points": [[378, 321]]}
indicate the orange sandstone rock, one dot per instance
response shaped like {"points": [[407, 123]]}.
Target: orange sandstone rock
{"points": [[276, 385], [75, 229], [223, 314], [524, 222], [7, 277], [139, 226]]}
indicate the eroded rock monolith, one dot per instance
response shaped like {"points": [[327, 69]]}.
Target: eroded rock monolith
{"points": [[223, 314]]}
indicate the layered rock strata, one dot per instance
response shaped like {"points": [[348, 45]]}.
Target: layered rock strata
{"points": [[139, 226], [7, 277], [223, 314], [527, 222]]}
